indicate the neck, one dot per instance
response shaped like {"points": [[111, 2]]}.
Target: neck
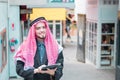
{"points": [[40, 39]]}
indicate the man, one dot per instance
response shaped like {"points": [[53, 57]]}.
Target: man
{"points": [[68, 22], [38, 50]]}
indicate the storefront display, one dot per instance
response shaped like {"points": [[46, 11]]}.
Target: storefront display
{"points": [[107, 43]]}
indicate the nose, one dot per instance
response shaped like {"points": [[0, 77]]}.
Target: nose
{"points": [[42, 29]]}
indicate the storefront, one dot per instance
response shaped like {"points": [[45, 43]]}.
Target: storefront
{"points": [[101, 33]]}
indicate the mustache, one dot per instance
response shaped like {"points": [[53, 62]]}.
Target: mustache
{"points": [[43, 37]]}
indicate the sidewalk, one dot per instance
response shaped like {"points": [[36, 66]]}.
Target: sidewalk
{"points": [[74, 70]]}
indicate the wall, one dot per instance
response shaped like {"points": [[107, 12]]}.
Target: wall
{"points": [[92, 9], [80, 6], [108, 12], [4, 24], [14, 33]]}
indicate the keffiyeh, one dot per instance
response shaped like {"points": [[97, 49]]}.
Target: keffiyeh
{"points": [[27, 49]]}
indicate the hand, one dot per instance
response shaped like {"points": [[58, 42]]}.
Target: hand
{"points": [[36, 71], [51, 71], [41, 67], [48, 71]]}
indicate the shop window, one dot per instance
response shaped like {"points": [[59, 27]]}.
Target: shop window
{"points": [[91, 41], [51, 27], [107, 44], [58, 31], [110, 2]]}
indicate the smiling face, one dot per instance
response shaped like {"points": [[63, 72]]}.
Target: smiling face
{"points": [[40, 31]]}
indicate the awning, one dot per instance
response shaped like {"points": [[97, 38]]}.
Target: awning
{"points": [[49, 13]]}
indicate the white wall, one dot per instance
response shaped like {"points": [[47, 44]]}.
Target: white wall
{"points": [[92, 9], [80, 6]]}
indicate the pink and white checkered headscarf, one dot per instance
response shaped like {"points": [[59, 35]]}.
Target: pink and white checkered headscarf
{"points": [[27, 49]]}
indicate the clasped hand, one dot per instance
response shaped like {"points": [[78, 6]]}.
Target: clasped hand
{"points": [[48, 71]]}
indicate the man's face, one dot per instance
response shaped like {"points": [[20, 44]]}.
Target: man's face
{"points": [[40, 30]]}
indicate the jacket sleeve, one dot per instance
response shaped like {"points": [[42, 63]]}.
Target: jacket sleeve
{"points": [[59, 71], [26, 74]]}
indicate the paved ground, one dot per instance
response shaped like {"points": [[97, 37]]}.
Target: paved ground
{"points": [[74, 70]]}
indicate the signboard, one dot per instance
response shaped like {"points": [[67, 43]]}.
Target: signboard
{"points": [[26, 11], [27, 2], [92, 2]]}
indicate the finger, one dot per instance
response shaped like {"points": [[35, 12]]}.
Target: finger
{"points": [[43, 65], [48, 69], [55, 69]]}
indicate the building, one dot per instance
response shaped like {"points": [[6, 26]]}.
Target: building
{"points": [[99, 47], [14, 18]]}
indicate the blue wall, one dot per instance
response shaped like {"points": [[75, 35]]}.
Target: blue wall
{"points": [[14, 19], [4, 74]]}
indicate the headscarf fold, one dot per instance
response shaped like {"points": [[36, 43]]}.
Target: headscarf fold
{"points": [[27, 49]]}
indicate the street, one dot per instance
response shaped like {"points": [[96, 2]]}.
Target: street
{"points": [[74, 70]]}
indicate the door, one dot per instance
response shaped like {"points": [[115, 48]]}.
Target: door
{"points": [[81, 38], [56, 29], [118, 53]]}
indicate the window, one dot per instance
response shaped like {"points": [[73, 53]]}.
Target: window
{"points": [[58, 31], [107, 43], [51, 27], [91, 41], [110, 2]]}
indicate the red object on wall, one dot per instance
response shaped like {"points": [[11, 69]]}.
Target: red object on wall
{"points": [[12, 49], [23, 16], [12, 40], [13, 26]]}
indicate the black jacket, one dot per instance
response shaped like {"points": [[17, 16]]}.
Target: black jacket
{"points": [[29, 74]]}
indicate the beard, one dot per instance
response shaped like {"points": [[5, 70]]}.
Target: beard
{"points": [[41, 37]]}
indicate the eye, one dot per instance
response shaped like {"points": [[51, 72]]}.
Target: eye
{"points": [[44, 27], [37, 28]]}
